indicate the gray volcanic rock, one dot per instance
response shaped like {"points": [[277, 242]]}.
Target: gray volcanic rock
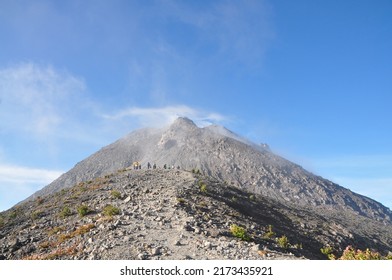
{"points": [[225, 156], [174, 214]]}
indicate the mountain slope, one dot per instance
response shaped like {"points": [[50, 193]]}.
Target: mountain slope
{"points": [[175, 214], [223, 155]]}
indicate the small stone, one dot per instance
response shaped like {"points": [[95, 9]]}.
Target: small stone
{"points": [[90, 240], [155, 251], [188, 227], [197, 230], [127, 199]]}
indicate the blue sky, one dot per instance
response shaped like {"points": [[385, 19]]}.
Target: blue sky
{"points": [[313, 79]]}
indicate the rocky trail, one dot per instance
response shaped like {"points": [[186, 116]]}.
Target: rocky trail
{"points": [[163, 214]]}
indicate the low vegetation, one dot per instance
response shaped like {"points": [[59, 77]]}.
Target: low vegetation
{"points": [[55, 230], [35, 215], [79, 231], [328, 252], [283, 242], [203, 187], [83, 210], [54, 255], [65, 212], [350, 253], [115, 194], [180, 200], [269, 234], [39, 200], [2, 222], [239, 232], [110, 211]]}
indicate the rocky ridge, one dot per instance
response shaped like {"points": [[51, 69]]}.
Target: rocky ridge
{"points": [[175, 214]]}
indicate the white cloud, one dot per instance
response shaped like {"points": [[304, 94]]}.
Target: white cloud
{"points": [[27, 175], [19, 182], [161, 116], [37, 99]]}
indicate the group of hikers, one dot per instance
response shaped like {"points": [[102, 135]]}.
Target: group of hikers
{"points": [[137, 165]]}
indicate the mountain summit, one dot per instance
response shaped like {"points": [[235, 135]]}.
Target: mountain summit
{"points": [[221, 154]]}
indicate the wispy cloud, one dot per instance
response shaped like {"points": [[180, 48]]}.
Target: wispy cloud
{"points": [[37, 99], [19, 182], [27, 175], [161, 116]]}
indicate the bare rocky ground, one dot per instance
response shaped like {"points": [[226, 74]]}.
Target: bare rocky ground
{"points": [[175, 214]]}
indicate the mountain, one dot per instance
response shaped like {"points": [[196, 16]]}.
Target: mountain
{"points": [[225, 198], [221, 154], [175, 214]]}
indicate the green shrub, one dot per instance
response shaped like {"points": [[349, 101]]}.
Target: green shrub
{"points": [[239, 232], [83, 210], [65, 212], [283, 242], [35, 215], [203, 187], [269, 234], [110, 210], [328, 251], [15, 213], [2, 222], [115, 194]]}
